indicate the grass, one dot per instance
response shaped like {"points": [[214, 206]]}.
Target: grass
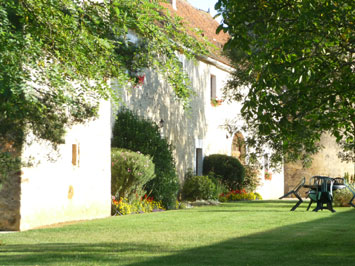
{"points": [[245, 233]]}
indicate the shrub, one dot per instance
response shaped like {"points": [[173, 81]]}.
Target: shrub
{"points": [[228, 168], [198, 187], [220, 187], [130, 171], [342, 197], [137, 134], [251, 178], [236, 195]]}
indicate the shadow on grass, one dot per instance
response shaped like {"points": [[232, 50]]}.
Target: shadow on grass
{"points": [[260, 206], [75, 253], [325, 241]]}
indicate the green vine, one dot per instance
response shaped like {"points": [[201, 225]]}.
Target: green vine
{"points": [[56, 58]]}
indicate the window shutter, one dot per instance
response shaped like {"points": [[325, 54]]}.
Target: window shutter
{"points": [[213, 87]]}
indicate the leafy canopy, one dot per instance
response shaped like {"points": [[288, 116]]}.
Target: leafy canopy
{"points": [[56, 58], [297, 60]]}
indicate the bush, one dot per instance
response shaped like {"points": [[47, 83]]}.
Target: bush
{"points": [[236, 195], [198, 187], [220, 187], [228, 168], [138, 134], [251, 178], [130, 171], [342, 197]]}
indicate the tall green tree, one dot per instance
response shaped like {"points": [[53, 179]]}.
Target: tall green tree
{"points": [[296, 59], [56, 58]]}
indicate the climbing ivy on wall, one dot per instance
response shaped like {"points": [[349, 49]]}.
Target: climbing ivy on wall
{"points": [[56, 58]]}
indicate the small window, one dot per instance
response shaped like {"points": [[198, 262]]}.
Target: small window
{"points": [[75, 154], [213, 87]]}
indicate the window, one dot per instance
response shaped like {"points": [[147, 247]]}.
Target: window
{"points": [[75, 154], [198, 161], [213, 87]]}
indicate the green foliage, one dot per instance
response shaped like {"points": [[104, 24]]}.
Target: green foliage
{"points": [[251, 178], [198, 187], [180, 205], [297, 59], [349, 178], [10, 165], [123, 206], [220, 187], [342, 197], [10, 162], [130, 171], [227, 168], [56, 58], [138, 134], [236, 195]]}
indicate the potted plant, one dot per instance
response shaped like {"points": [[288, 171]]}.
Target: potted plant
{"points": [[267, 175], [216, 102]]}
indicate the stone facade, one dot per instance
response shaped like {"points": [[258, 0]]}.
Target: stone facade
{"points": [[198, 131], [10, 203], [199, 127], [325, 163]]}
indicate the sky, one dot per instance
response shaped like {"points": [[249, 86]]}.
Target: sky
{"points": [[204, 5]]}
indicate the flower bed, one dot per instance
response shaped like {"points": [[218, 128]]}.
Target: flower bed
{"points": [[236, 195], [123, 207]]}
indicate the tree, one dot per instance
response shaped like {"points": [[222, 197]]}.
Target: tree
{"points": [[56, 58], [297, 60]]}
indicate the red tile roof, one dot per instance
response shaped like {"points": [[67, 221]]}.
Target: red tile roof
{"points": [[199, 19]]}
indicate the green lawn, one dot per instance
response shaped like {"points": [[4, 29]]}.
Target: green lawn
{"points": [[246, 233]]}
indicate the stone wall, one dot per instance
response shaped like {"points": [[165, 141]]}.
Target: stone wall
{"points": [[10, 189], [200, 127], [325, 163], [187, 129], [71, 183], [10, 204]]}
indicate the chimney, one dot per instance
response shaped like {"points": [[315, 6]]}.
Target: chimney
{"points": [[173, 3]]}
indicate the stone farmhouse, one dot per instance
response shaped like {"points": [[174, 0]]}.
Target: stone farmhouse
{"points": [[75, 182], [201, 130]]}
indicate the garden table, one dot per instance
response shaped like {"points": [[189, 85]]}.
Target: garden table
{"points": [[321, 191]]}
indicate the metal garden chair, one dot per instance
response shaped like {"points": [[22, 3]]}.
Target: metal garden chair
{"points": [[294, 191], [322, 193], [352, 189]]}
